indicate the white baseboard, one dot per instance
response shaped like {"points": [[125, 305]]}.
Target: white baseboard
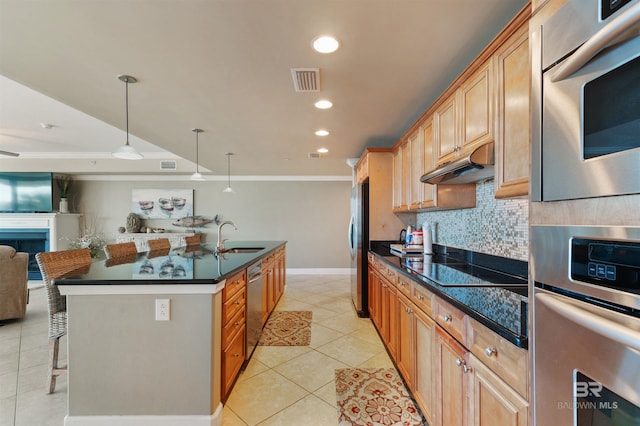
{"points": [[318, 271], [197, 420]]}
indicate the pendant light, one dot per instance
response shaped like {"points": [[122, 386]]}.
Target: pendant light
{"points": [[126, 151], [197, 175], [228, 188]]}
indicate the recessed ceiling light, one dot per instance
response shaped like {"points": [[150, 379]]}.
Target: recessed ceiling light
{"points": [[323, 104], [323, 150], [322, 133], [325, 44]]}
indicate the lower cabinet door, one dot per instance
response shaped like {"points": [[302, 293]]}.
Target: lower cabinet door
{"points": [[494, 403], [232, 359], [451, 392], [424, 332], [405, 355]]}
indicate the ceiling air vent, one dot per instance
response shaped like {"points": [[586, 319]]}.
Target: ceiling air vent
{"points": [[306, 79], [168, 165], [315, 155]]}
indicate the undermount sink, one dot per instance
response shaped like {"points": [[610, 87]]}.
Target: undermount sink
{"points": [[243, 250]]}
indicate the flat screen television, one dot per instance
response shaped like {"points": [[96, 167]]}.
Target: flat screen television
{"points": [[26, 192]]}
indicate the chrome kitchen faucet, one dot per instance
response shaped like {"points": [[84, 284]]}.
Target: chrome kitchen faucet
{"points": [[220, 243]]}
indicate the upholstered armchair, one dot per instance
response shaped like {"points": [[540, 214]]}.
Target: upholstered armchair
{"points": [[13, 283]]}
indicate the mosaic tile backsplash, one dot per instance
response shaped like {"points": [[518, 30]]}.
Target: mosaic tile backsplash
{"points": [[497, 227]]}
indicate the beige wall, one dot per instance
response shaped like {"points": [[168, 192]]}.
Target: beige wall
{"points": [[313, 216]]}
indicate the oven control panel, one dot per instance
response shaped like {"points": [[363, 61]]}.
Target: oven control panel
{"points": [[608, 263]]}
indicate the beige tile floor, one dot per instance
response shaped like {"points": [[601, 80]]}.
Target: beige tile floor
{"points": [[23, 370], [281, 385], [287, 385]]}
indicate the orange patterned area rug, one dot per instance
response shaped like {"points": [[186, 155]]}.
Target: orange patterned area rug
{"points": [[374, 397], [287, 328]]}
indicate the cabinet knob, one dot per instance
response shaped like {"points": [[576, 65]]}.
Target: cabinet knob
{"points": [[236, 355], [237, 302], [420, 297], [490, 351], [459, 362], [236, 323], [447, 317], [466, 369], [384, 286]]}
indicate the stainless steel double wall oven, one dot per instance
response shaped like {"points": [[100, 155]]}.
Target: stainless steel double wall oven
{"points": [[586, 279]]}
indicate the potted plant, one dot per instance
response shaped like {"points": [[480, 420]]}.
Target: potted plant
{"points": [[64, 183]]}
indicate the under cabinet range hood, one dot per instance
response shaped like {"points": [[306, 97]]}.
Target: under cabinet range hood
{"points": [[475, 167]]}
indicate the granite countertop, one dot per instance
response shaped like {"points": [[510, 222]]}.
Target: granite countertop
{"points": [[182, 265], [490, 289]]}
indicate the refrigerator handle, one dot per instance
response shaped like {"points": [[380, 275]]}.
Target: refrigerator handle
{"points": [[351, 236]]}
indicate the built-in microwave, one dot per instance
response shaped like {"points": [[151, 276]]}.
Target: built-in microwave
{"points": [[586, 101]]}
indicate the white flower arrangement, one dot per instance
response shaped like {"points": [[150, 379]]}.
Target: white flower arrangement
{"points": [[94, 242]]}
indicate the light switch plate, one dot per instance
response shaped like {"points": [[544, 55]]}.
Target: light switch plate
{"points": [[163, 309]]}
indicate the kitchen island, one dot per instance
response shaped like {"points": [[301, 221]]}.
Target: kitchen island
{"points": [[127, 364]]}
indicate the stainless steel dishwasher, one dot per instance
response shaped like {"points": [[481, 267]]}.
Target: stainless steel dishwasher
{"points": [[254, 307]]}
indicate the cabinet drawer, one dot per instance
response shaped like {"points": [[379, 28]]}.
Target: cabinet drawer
{"points": [[421, 297], [234, 284], [450, 318], [232, 359], [389, 273], [508, 361], [404, 285], [231, 328], [233, 305]]}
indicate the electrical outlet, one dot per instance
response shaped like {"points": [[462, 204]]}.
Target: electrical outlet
{"points": [[163, 309]]}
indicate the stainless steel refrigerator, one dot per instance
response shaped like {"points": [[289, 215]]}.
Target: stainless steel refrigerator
{"points": [[359, 245]]}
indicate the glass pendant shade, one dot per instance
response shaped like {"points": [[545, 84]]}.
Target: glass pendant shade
{"points": [[126, 151]]}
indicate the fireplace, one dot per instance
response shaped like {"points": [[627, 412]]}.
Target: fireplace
{"points": [[30, 241], [37, 232]]}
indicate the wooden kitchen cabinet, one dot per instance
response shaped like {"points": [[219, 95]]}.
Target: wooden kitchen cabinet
{"points": [[402, 177], [446, 141], [234, 311], [428, 163], [451, 384], [459, 371], [405, 356], [416, 171], [389, 316], [512, 149], [268, 288], [477, 109], [374, 287], [424, 335], [492, 401], [465, 119], [397, 180]]}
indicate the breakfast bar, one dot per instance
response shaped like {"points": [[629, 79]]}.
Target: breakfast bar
{"points": [[145, 335]]}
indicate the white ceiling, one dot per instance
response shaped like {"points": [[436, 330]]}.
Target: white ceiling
{"points": [[224, 66]]}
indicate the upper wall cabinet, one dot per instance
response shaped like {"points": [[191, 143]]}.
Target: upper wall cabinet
{"points": [[513, 127], [466, 119], [416, 161], [446, 136], [412, 158]]}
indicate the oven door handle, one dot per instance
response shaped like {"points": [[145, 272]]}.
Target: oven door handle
{"points": [[599, 41], [605, 327]]}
